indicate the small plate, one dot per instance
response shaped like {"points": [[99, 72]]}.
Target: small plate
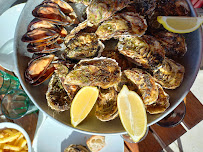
{"points": [[54, 137], [8, 24], [4, 125]]}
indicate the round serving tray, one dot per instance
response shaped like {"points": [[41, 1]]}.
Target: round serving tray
{"points": [[91, 124]]}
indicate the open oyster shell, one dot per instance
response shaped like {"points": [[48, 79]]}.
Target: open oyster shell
{"points": [[170, 75], [84, 45], [145, 84], [56, 96], [161, 104], [101, 72], [144, 51], [106, 105], [122, 24]]}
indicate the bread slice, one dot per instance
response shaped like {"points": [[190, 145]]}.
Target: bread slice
{"points": [[95, 143]]}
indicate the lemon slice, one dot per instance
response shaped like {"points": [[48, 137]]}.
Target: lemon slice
{"points": [[177, 24], [132, 113], [82, 104]]}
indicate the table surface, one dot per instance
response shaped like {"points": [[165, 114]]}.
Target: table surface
{"points": [[161, 137]]}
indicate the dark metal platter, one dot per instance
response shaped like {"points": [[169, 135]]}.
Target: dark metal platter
{"points": [[91, 124]]}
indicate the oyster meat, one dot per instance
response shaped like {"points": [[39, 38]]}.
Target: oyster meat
{"points": [[56, 96], [127, 23], [100, 10], [102, 72], [84, 45], [161, 104], [106, 105], [145, 84], [170, 75], [144, 51], [173, 43], [76, 148]]}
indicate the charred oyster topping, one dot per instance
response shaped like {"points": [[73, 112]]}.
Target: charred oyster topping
{"points": [[56, 96], [170, 75], [83, 45], [144, 51], [102, 72], [76, 148], [145, 84], [106, 105], [100, 10], [161, 104], [173, 44], [127, 23]]}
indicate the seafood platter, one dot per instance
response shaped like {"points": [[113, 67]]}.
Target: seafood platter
{"points": [[62, 46]]}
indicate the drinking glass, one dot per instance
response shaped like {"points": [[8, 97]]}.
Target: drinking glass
{"points": [[127, 138], [17, 104], [175, 117], [8, 82]]}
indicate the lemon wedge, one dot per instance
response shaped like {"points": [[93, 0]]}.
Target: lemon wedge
{"points": [[82, 104], [132, 113], [177, 24]]}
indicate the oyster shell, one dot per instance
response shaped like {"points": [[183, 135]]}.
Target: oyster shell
{"points": [[161, 104], [62, 71], [84, 45], [166, 8], [100, 10], [106, 105], [76, 148], [122, 61], [170, 75], [56, 96], [85, 2], [173, 43], [145, 84], [102, 72], [144, 51], [127, 23]]}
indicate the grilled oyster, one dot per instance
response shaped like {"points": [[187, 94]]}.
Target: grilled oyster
{"points": [[161, 104], [122, 61], [76, 148], [144, 51], [174, 44], [102, 72], [127, 23], [62, 71], [106, 105], [170, 75], [85, 2], [145, 84], [84, 45], [166, 8], [56, 96], [100, 10]]}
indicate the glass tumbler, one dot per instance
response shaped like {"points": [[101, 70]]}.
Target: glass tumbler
{"points": [[8, 82], [17, 104]]}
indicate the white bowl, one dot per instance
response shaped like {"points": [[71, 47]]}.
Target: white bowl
{"points": [[5, 125]]}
